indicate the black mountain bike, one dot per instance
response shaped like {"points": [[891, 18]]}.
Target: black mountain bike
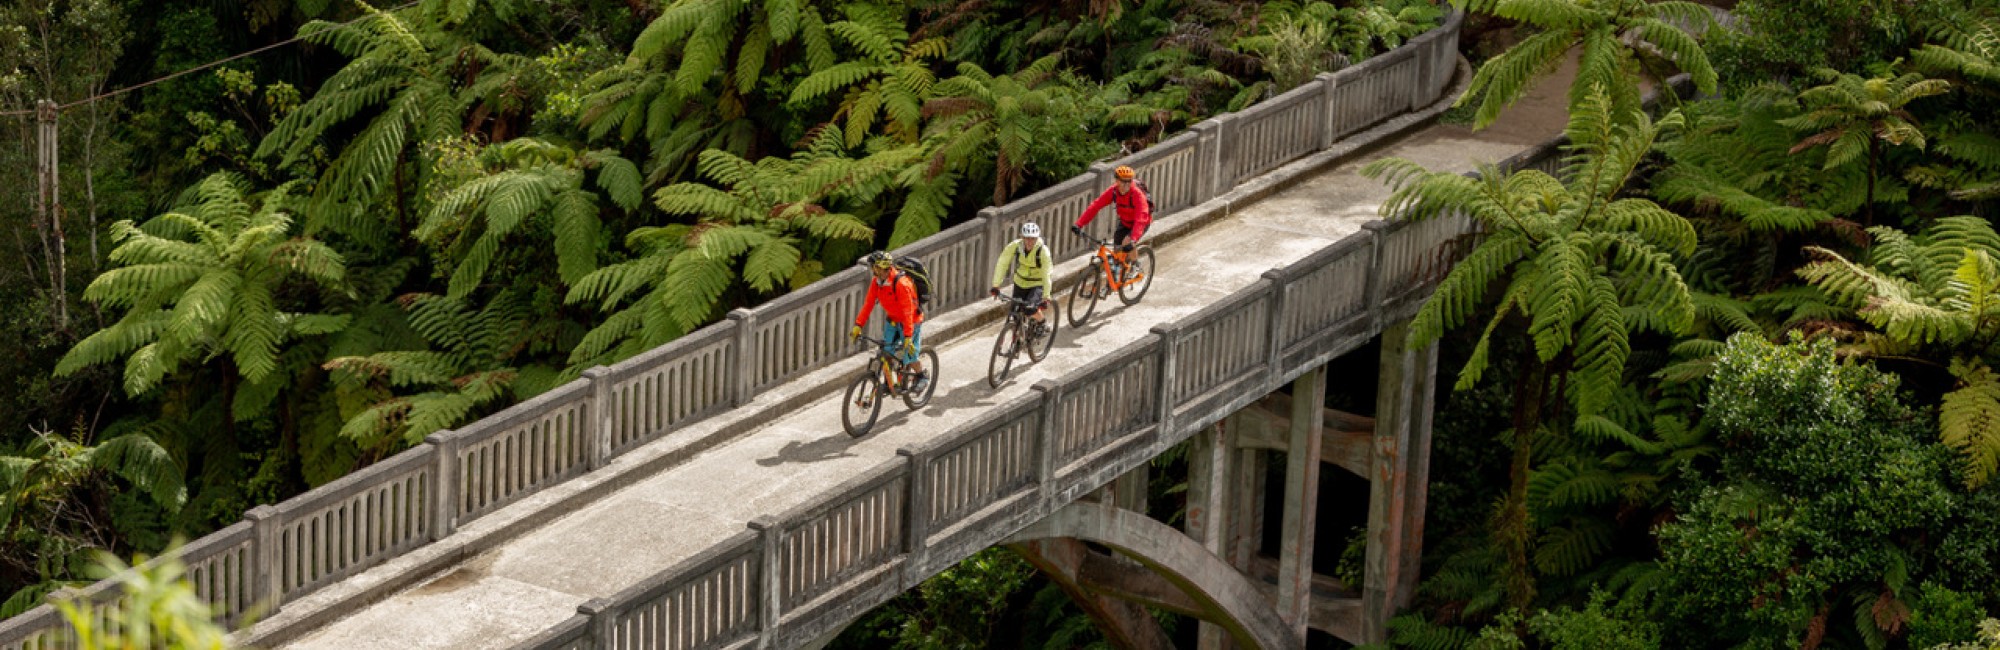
{"points": [[883, 378], [1019, 333]]}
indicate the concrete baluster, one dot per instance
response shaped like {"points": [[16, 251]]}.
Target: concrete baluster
{"points": [[447, 481], [1274, 326], [265, 557], [1169, 337], [601, 427], [770, 587], [1208, 161], [603, 628], [1048, 439], [917, 524], [746, 359], [1376, 277], [1328, 82]]}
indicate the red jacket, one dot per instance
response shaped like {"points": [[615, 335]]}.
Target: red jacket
{"points": [[899, 301], [1132, 210]]}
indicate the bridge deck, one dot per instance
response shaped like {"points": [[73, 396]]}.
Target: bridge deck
{"points": [[536, 580]]}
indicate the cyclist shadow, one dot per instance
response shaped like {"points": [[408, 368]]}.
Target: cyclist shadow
{"points": [[820, 450], [1068, 336], [975, 394]]}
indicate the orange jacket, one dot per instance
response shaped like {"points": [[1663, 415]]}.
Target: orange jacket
{"points": [[899, 301], [1132, 210]]}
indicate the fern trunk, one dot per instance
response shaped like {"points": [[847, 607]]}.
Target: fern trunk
{"points": [[1512, 529], [1868, 209]]}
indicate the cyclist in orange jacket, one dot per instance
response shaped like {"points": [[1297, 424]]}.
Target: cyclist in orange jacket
{"points": [[898, 297]]}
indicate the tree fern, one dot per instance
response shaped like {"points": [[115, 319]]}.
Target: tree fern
{"points": [[1616, 40], [402, 79], [527, 183], [1582, 266], [763, 231], [189, 301], [1941, 291], [469, 364]]}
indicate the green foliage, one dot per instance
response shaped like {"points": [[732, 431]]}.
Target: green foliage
{"points": [[757, 234], [1942, 616], [1827, 508], [527, 185], [1549, 239], [204, 282], [468, 367], [1600, 624], [1619, 41], [1941, 291], [960, 607], [43, 531], [158, 608]]}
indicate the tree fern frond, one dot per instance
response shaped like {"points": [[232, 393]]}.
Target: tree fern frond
{"points": [[1969, 419]]}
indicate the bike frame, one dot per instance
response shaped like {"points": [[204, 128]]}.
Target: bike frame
{"points": [[886, 360], [1105, 253]]}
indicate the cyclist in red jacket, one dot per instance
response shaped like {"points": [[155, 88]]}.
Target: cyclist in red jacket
{"points": [[1133, 212], [898, 295]]}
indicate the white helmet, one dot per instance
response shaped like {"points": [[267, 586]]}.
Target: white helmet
{"points": [[1029, 229]]}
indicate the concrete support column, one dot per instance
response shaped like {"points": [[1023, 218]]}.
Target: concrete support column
{"points": [[1397, 478], [1208, 508], [1422, 407], [1295, 551], [1129, 491]]}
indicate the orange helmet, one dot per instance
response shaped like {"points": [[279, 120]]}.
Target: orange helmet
{"points": [[1123, 173]]}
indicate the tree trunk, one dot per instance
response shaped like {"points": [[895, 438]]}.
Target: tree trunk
{"points": [[1868, 209], [1512, 528]]}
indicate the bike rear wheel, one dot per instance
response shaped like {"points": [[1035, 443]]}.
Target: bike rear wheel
{"points": [[1138, 274], [1083, 296], [862, 404], [1005, 347], [1038, 348], [917, 400]]}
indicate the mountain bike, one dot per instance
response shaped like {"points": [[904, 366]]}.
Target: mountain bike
{"points": [[884, 377], [1128, 273], [1018, 334]]}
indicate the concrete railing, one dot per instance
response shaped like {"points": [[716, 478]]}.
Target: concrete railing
{"points": [[424, 494], [790, 579]]}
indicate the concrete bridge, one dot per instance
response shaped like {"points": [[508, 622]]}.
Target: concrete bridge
{"points": [[703, 495]]}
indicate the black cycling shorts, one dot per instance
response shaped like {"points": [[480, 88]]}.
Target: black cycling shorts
{"points": [[1030, 295]]}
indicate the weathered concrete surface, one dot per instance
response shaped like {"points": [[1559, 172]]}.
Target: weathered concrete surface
{"points": [[1295, 547], [503, 594], [1208, 580]]}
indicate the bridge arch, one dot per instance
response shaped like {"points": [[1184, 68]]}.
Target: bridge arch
{"points": [[1218, 592]]}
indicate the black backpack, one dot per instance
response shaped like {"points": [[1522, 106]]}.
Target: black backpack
{"points": [[1151, 207], [920, 277]]}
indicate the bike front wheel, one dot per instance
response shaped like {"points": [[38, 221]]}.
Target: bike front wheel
{"points": [[1005, 347], [1038, 348], [862, 404], [917, 400], [1083, 296], [1138, 275]]}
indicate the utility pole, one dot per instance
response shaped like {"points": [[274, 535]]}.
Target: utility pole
{"points": [[48, 207]]}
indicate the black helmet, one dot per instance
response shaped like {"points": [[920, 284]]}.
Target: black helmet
{"points": [[878, 260]]}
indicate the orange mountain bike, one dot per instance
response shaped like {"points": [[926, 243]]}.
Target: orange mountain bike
{"points": [[1128, 273], [885, 377]]}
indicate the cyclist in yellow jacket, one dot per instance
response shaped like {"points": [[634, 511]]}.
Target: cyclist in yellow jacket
{"points": [[1031, 263]]}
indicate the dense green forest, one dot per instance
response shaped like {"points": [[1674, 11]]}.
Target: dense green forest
{"points": [[1728, 382]]}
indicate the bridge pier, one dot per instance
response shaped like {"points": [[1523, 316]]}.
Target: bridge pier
{"points": [[1295, 547], [1226, 499]]}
